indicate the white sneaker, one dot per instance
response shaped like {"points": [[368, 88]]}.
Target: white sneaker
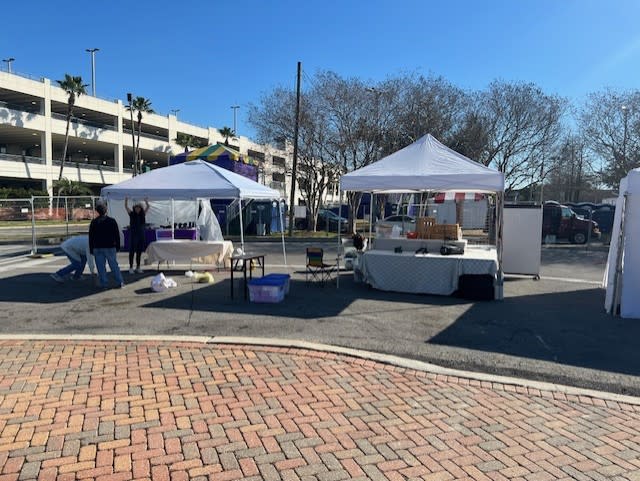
{"points": [[57, 278], [131, 271], [139, 271]]}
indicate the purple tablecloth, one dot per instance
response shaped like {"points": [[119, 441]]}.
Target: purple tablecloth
{"points": [[150, 236]]}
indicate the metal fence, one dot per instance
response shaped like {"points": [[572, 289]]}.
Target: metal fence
{"points": [[35, 223]]}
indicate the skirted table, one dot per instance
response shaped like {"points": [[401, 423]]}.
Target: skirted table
{"points": [[424, 273], [205, 252]]}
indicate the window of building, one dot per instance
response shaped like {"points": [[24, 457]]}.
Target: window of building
{"points": [[254, 154], [279, 161], [278, 176]]}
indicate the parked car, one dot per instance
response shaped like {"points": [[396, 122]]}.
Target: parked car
{"points": [[602, 214], [405, 222], [562, 222], [329, 220], [604, 218]]}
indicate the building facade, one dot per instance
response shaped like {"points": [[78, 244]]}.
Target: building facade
{"points": [[100, 148]]}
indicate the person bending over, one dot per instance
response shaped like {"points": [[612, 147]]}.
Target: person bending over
{"points": [[77, 250], [137, 221]]}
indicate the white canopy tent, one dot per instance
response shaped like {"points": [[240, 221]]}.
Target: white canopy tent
{"points": [[622, 275], [192, 180], [425, 165], [428, 165]]}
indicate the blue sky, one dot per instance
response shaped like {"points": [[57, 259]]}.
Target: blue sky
{"points": [[203, 56]]}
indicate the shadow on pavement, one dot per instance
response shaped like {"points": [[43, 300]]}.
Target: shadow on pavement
{"points": [[565, 327], [304, 301], [41, 288]]}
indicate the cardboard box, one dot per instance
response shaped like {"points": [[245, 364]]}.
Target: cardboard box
{"points": [[444, 232], [423, 224]]}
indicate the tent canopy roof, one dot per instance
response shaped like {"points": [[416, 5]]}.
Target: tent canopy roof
{"points": [[213, 152], [189, 180], [631, 183], [424, 165]]}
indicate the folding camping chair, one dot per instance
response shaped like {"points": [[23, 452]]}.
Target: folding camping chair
{"points": [[316, 267]]}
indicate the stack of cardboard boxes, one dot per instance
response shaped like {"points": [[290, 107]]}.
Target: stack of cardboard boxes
{"points": [[427, 228]]}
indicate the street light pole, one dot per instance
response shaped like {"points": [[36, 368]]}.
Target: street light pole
{"points": [[93, 51], [294, 167], [235, 108], [8, 61], [625, 111], [133, 135]]}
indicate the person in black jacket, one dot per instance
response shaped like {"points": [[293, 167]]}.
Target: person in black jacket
{"points": [[104, 244], [137, 222]]}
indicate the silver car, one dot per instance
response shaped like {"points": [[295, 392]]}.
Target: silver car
{"points": [[405, 222]]}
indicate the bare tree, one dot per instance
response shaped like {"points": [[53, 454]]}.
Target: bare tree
{"points": [[358, 116], [521, 122], [341, 129], [610, 123], [570, 173], [426, 105]]}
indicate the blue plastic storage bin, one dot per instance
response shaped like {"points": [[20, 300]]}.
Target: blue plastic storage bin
{"points": [[264, 289], [283, 278]]}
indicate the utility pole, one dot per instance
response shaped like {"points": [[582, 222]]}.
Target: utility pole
{"points": [[625, 112], [294, 168], [93, 51], [133, 135], [235, 108]]}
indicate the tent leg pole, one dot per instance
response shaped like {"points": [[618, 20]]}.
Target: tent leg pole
{"points": [[284, 250], [617, 279], [371, 204], [499, 222], [339, 239], [173, 221], [241, 226]]}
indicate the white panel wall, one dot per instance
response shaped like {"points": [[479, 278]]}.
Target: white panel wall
{"points": [[522, 240]]}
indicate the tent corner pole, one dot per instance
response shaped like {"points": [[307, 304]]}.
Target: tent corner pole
{"points": [[371, 194], [241, 224], [617, 277], [284, 250], [499, 224], [173, 220], [339, 239]]}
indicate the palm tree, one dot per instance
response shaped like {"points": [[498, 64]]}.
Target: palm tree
{"points": [[68, 187], [186, 141], [65, 186], [139, 105], [74, 87], [226, 132]]}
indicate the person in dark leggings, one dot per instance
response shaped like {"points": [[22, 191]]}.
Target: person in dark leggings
{"points": [[137, 221]]}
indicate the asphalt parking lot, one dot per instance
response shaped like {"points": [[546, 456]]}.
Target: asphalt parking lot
{"points": [[554, 329]]}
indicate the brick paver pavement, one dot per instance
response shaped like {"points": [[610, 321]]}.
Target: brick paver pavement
{"points": [[176, 411]]}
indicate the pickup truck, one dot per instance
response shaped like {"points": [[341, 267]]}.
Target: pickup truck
{"points": [[563, 223]]}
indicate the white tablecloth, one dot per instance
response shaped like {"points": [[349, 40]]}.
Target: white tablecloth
{"points": [[424, 273], [206, 252]]}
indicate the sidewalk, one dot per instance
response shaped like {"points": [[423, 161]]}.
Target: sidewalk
{"points": [[186, 409]]}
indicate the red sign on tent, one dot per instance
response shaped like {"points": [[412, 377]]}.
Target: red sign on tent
{"points": [[440, 197]]}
